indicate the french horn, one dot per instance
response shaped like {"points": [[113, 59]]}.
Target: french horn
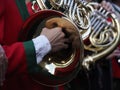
{"points": [[73, 9], [105, 34], [99, 28], [60, 67]]}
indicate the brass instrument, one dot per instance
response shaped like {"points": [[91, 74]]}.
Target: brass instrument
{"points": [[105, 35], [73, 9], [100, 35], [60, 67]]}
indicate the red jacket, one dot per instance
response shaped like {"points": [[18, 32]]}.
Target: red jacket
{"points": [[115, 68], [13, 13]]}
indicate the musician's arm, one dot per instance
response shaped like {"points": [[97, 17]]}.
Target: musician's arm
{"points": [[22, 55]]}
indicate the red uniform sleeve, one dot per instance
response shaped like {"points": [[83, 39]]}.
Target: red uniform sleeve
{"points": [[16, 57], [21, 57]]}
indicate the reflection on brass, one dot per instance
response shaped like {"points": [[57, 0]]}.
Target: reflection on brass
{"points": [[105, 34], [100, 31], [64, 57], [73, 9], [60, 67]]}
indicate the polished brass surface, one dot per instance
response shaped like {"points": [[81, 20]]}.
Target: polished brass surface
{"points": [[99, 28], [60, 67], [64, 57], [73, 9], [101, 36], [105, 34]]}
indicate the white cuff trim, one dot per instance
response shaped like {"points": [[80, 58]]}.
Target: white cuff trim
{"points": [[42, 47]]}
